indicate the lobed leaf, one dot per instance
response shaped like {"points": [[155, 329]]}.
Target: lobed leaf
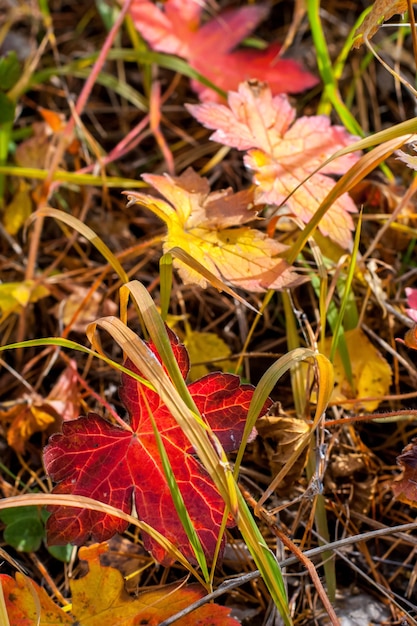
{"points": [[199, 222], [94, 458], [209, 48], [285, 154]]}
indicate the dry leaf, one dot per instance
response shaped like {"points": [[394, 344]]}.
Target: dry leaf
{"points": [[37, 414], [281, 436], [370, 371], [382, 10], [100, 599], [200, 223], [405, 487]]}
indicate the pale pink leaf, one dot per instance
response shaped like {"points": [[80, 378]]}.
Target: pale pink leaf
{"points": [[284, 154]]}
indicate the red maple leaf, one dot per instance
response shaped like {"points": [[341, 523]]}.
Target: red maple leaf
{"points": [[95, 458], [209, 48]]}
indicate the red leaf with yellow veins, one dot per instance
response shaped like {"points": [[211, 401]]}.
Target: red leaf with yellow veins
{"points": [[122, 466]]}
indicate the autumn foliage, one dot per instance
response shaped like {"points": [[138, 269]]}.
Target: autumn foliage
{"points": [[95, 458], [235, 182]]}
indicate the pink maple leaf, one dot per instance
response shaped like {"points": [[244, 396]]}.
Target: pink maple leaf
{"points": [[282, 152], [209, 48], [92, 457]]}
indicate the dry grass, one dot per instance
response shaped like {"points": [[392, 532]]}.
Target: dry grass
{"points": [[358, 461]]}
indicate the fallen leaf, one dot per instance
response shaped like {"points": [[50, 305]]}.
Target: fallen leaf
{"points": [[18, 210], [33, 413], [281, 435], [405, 486], [81, 307], [203, 346], [100, 599], [201, 223], [15, 296], [175, 29], [27, 604], [64, 396], [371, 373], [95, 458], [26, 418], [382, 10], [409, 159], [282, 152]]}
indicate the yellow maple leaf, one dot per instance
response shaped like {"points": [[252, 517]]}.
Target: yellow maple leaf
{"points": [[211, 228]]}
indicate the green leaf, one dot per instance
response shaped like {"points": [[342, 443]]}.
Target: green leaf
{"points": [[24, 528], [7, 109], [61, 553], [10, 71]]}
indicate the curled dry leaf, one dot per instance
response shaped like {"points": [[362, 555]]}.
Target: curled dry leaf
{"points": [[283, 152], [281, 435], [211, 228], [382, 10], [33, 413]]}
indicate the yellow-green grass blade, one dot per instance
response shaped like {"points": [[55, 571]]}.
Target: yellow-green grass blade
{"points": [[71, 178], [83, 502], [345, 299], [267, 383], [179, 503], [86, 232], [326, 71], [264, 559], [165, 278], [81, 69]]}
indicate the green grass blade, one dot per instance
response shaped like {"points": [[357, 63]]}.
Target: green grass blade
{"points": [[346, 293], [264, 559], [165, 277], [179, 503], [86, 232]]}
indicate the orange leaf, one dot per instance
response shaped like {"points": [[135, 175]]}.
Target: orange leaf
{"points": [[25, 419], [36, 414], [27, 604], [100, 599], [199, 222]]}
